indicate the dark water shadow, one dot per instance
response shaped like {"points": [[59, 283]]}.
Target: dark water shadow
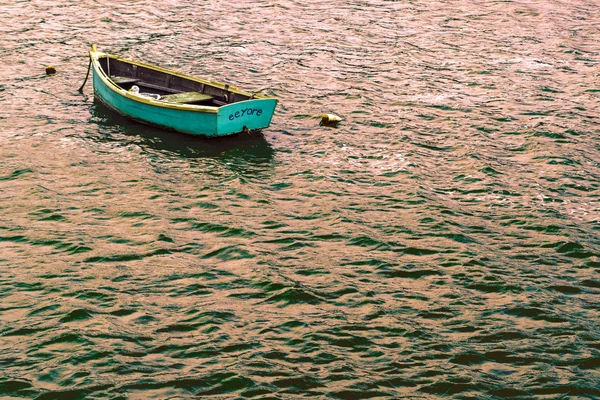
{"points": [[244, 148]]}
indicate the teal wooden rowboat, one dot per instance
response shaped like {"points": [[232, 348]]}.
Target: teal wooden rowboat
{"points": [[175, 101]]}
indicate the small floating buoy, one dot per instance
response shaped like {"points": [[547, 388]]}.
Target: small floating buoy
{"points": [[50, 70], [330, 120]]}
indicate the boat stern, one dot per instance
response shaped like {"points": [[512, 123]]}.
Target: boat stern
{"points": [[250, 115]]}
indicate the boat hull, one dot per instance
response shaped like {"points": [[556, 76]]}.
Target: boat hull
{"points": [[242, 116]]}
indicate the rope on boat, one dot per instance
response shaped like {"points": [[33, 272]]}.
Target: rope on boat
{"points": [[86, 75]]}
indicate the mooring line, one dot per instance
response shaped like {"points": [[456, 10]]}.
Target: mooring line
{"points": [[86, 75]]}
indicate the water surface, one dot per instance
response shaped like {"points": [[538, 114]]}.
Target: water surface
{"points": [[441, 243]]}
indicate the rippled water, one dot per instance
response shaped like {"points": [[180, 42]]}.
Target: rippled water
{"points": [[442, 242]]}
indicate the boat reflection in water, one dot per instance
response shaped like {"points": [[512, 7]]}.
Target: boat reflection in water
{"points": [[244, 152]]}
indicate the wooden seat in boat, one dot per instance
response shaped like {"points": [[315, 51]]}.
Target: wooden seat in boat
{"points": [[123, 80], [186, 97]]}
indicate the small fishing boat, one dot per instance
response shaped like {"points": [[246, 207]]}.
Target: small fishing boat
{"points": [[175, 101]]}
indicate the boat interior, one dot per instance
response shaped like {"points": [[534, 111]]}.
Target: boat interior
{"points": [[171, 88]]}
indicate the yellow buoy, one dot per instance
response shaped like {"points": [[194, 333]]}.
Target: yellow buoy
{"points": [[50, 70], [330, 119]]}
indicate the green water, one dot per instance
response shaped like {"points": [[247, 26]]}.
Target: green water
{"points": [[442, 242]]}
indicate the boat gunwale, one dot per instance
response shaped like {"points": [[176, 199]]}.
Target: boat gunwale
{"points": [[95, 56]]}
